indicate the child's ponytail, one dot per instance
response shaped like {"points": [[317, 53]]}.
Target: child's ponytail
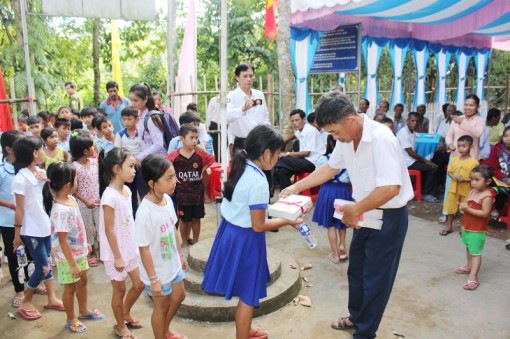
{"points": [[260, 139], [59, 174], [238, 167]]}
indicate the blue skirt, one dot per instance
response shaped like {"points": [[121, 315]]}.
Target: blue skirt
{"points": [[237, 264], [324, 210]]}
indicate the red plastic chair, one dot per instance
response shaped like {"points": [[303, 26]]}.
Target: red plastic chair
{"points": [[214, 181], [313, 192], [416, 184]]}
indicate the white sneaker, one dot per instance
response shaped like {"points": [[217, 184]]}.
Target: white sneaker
{"points": [[442, 218]]}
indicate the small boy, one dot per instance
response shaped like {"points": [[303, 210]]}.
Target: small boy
{"points": [[87, 115], [64, 112], [107, 139], [7, 207], [22, 125], [45, 116], [128, 140], [63, 127], [186, 118], [76, 124], [53, 118], [35, 125], [189, 167], [459, 170], [322, 138]]}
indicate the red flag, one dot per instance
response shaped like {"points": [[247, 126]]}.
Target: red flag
{"points": [[5, 112], [270, 25]]}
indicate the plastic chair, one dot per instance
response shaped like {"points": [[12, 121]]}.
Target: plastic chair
{"points": [[313, 192], [416, 184], [214, 181]]}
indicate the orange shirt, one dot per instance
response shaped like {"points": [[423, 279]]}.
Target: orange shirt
{"points": [[473, 223]]}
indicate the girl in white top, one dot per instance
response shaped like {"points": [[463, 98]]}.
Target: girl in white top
{"points": [[32, 223], [116, 236], [160, 251]]}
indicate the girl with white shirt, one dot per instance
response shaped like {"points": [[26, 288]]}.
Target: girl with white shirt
{"points": [[163, 263], [237, 264], [32, 223]]}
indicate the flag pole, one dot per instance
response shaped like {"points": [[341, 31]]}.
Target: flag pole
{"points": [[223, 90], [31, 90]]}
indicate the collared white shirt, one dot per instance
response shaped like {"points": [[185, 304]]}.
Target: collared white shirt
{"points": [[36, 223], [309, 141], [443, 128], [241, 123], [213, 110], [407, 139], [377, 162]]}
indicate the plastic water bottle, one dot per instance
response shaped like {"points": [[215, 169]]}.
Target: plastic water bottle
{"points": [[209, 146], [21, 255], [310, 239]]}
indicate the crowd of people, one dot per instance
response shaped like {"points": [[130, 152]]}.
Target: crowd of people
{"points": [[118, 184]]}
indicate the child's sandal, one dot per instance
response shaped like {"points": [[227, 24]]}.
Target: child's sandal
{"points": [[77, 327]]}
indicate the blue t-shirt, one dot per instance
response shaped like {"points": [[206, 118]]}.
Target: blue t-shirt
{"points": [[6, 177], [104, 144], [251, 193], [114, 114]]}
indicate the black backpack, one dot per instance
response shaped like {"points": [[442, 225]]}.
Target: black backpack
{"points": [[166, 125]]}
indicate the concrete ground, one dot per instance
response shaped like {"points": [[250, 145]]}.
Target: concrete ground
{"points": [[427, 300]]}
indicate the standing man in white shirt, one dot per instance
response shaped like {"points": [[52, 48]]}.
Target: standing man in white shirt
{"points": [[211, 118], [309, 152], [381, 185], [407, 140]]}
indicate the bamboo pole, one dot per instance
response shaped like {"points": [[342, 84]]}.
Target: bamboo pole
{"points": [[270, 98], [14, 110]]}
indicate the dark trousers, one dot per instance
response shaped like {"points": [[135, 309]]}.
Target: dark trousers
{"points": [[429, 177], [134, 192], [441, 159], [286, 167], [238, 145], [215, 139], [8, 237], [373, 263], [141, 187]]}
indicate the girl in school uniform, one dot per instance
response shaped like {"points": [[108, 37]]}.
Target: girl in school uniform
{"points": [[237, 264]]}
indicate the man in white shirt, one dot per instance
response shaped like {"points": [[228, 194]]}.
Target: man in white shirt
{"points": [[399, 121], [246, 106], [381, 185], [407, 139], [211, 117], [309, 152], [441, 155]]}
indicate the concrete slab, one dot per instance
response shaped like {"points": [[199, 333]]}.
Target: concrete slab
{"points": [[427, 301]]}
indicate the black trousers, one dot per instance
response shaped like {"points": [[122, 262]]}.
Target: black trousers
{"points": [[286, 167], [429, 177], [441, 159], [238, 145], [8, 237], [215, 138]]}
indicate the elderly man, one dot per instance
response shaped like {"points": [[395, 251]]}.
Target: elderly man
{"points": [[75, 101], [381, 187]]}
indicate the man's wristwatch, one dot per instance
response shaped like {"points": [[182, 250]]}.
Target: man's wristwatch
{"points": [[288, 153]]}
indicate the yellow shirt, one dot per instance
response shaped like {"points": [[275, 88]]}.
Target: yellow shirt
{"points": [[58, 158], [462, 168], [495, 133]]}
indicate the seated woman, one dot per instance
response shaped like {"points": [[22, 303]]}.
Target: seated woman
{"points": [[499, 160]]}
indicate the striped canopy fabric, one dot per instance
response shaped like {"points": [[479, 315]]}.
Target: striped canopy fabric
{"points": [[468, 23]]}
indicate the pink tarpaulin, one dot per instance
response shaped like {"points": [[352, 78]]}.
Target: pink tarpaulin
{"points": [[5, 111]]}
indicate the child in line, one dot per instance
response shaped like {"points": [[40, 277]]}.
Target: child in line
{"points": [[65, 113], [459, 171], [186, 118], [87, 115], [240, 242], [76, 124], [477, 209], [128, 140], [69, 243], [87, 175], [63, 127], [54, 153], [116, 236], [32, 222], [45, 118], [35, 125], [105, 142], [163, 263], [189, 168], [22, 125], [7, 208], [336, 188]]}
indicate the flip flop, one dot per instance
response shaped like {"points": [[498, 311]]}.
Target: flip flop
{"points": [[471, 285], [344, 256], [92, 262], [330, 257], [342, 324], [463, 270], [258, 333], [77, 327], [134, 324], [16, 301], [445, 232], [29, 314], [130, 335], [59, 307], [177, 335], [93, 315]]}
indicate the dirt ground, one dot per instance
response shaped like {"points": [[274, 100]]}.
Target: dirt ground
{"points": [[427, 300]]}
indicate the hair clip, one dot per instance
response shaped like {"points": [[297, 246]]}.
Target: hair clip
{"points": [[244, 152], [75, 133], [48, 180]]}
